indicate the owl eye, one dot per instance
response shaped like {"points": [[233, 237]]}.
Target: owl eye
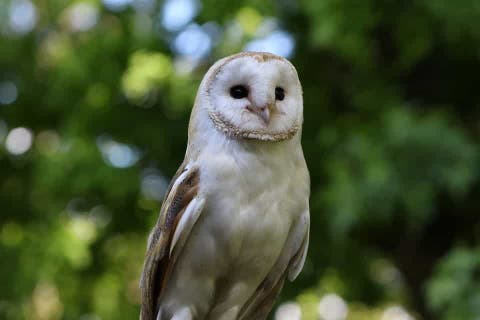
{"points": [[238, 92], [279, 93]]}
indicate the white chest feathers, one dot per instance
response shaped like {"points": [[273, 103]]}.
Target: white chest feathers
{"points": [[253, 202]]}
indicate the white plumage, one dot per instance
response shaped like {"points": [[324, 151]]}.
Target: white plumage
{"points": [[235, 221]]}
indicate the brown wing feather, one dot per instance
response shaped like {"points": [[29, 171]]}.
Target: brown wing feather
{"points": [[261, 302], [158, 264]]}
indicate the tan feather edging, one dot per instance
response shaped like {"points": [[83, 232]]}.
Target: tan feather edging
{"points": [[226, 126]]}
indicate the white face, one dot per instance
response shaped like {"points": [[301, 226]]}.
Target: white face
{"points": [[256, 96]]}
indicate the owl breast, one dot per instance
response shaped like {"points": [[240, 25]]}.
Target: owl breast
{"points": [[252, 202]]}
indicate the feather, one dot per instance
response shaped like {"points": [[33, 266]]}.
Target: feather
{"points": [[178, 214], [289, 263]]}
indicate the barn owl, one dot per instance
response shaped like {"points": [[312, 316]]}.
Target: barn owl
{"points": [[234, 223]]}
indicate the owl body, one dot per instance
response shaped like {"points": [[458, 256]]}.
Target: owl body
{"points": [[223, 250], [243, 229]]}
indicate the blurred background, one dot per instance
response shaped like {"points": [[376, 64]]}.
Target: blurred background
{"points": [[94, 104]]}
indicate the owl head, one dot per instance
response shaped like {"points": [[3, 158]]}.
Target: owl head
{"points": [[252, 95]]}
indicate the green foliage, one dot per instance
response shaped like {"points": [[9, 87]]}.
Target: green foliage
{"points": [[454, 289], [104, 93], [371, 173]]}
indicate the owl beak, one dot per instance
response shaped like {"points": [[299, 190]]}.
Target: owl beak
{"points": [[265, 112]]}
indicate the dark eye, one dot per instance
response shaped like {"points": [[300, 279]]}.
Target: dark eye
{"points": [[279, 93], [238, 92]]}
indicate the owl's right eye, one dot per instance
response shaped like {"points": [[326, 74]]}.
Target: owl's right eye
{"points": [[238, 92]]}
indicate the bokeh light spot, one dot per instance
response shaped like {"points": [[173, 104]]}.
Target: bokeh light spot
{"points": [[153, 184], [396, 313], [83, 228], [178, 13], [121, 156], [145, 72], [8, 92], [193, 42], [288, 311], [46, 302], [118, 155], [55, 49], [82, 16], [278, 42], [332, 307], [249, 19], [22, 16], [19, 140]]}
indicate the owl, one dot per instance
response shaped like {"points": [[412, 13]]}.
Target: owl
{"points": [[234, 223]]}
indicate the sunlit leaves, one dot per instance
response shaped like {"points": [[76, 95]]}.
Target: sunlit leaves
{"points": [[45, 303], [249, 19], [146, 71]]}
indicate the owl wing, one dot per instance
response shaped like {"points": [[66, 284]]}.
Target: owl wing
{"points": [[288, 265], [180, 210]]}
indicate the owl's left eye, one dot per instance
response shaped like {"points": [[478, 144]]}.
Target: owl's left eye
{"points": [[238, 92], [279, 93]]}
